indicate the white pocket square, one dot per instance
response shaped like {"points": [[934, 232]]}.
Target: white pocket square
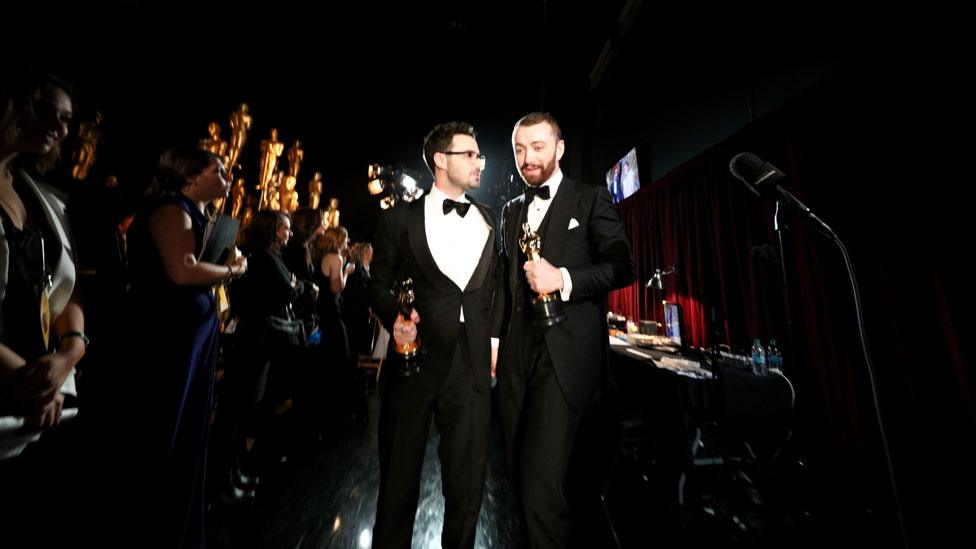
{"points": [[573, 224]]}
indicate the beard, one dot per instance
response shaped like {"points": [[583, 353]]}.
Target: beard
{"points": [[467, 181], [537, 178]]}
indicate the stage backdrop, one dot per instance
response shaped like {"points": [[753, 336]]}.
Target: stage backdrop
{"points": [[870, 151]]}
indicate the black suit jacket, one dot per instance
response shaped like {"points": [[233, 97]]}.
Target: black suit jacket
{"points": [[265, 291], [355, 310], [355, 299], [400, 250], [598, 257]]}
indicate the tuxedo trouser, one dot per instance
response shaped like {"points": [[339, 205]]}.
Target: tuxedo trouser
{"points": [[539, 428], [461, 415]]}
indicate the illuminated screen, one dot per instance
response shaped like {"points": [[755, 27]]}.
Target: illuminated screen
{"points": [[672, 322], [622, 178]]}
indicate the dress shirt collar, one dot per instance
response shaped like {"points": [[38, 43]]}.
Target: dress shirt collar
{"points": [[553, 183], [437, 196]]}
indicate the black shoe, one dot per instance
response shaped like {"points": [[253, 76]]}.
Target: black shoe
{"points": [[243, 481], [234, 495]]}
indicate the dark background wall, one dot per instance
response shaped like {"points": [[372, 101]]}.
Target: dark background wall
{"points": [[365, 83]]}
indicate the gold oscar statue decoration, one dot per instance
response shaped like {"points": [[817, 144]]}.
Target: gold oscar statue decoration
{"points": [[332, 214], [271, 149], [295, 155], [237, 194], [240, 123], [315, 191], [272, 193], [218, 204], [408, 359], [249, 204], [546, 308], [89, 133], [214, 143], [288, 194]]}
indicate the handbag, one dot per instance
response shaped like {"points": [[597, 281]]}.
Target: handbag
{"points": [[283, 331], [312, 332]]}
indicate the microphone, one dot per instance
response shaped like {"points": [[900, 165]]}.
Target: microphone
{"points": [[762, 178], [655, 281]]}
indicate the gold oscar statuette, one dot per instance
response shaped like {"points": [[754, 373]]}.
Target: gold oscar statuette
{"points": [[409, 358], [546, 308]]}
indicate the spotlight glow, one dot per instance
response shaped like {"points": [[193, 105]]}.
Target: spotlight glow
{"points": [[376, 186], [365, 537]]}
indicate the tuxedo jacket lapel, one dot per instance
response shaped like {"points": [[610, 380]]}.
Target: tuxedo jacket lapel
{"points": [[487, 253], [513, 228], [417, 235], [560, 212]]}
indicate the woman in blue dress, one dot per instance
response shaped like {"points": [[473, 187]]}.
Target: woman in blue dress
{"points": [[174, 341]]}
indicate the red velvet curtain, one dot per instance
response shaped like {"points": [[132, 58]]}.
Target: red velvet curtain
{"points": [[704, 223], [871, 152]]}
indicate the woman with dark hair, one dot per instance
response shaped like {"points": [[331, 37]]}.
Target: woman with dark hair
{"points": [[297, 255], [271, 286], [37, 271], [355, 301], [255, 379], [307, 224], [173, 338], [41, 321]]}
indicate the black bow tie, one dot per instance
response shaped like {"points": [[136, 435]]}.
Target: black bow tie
{"points": [[461, 207], [532, 192]]}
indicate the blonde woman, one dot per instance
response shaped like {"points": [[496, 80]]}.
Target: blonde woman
{"points": [[330, 252]]}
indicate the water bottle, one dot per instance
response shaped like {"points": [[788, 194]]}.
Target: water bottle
{"points": [[758, 358], [774, 358]]}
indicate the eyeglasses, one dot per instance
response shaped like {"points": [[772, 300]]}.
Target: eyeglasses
{"points": [[472, 155]]}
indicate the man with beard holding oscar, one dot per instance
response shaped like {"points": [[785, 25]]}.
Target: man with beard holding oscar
{"points": [[549, 376]]}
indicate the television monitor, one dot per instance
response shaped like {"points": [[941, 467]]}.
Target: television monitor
{"points": [[622, 178], [672, 322]]}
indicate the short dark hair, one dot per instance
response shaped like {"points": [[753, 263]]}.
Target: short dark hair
{"points": [[534, 118], [439, 139]]}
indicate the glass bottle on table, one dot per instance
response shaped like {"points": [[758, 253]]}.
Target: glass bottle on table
{"points": [[774, 358], [758, 358]]}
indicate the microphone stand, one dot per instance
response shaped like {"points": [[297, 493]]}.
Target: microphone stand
{"points": [[789, 276], [794, 203]]}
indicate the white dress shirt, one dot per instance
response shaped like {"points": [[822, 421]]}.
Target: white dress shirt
{"points": [[537, 212], [455, 242]]}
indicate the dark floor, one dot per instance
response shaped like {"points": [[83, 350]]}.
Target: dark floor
{"points": [[321, 492], [324, 495]]}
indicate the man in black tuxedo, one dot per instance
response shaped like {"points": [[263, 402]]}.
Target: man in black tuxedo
{"points": [[445, 243], [548, 377]]}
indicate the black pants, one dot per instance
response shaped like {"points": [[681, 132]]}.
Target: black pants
{"points": [[447, 394], [539, 428]]}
